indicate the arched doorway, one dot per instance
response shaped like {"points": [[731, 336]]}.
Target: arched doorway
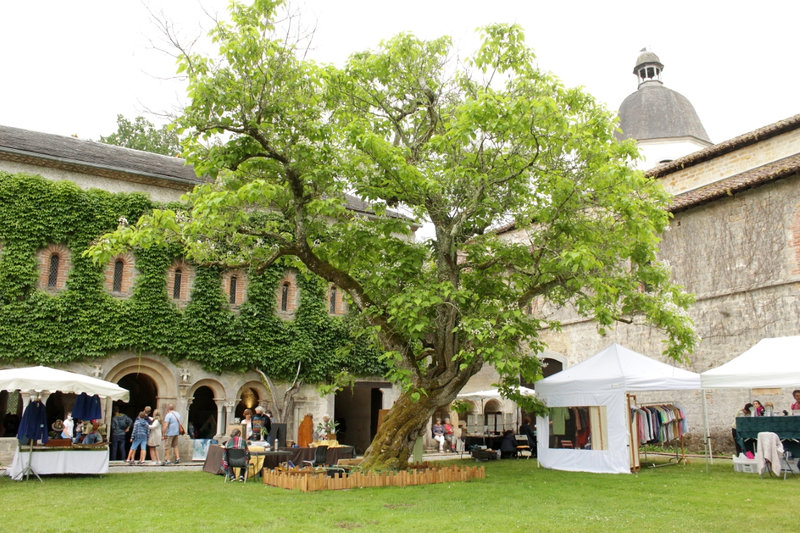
{"points": [[248, 399], [203, 414], [143, 393], [493, 417]]}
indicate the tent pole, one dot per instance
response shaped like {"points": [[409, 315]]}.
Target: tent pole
{"points": [[707, 436]]}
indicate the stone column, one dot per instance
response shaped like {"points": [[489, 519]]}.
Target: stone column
{"points": [[230, 408], [220, 417]]}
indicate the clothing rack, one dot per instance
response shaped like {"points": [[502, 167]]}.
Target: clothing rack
{"points": [[674, 425]]}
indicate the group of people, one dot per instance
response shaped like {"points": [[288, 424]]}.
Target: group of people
{"points": [[444, 434], [755, 408], [258, 425], [147, 433], [79, 431]]}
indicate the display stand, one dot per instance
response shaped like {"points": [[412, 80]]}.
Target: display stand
{"points": [[677, 458], [28, 470]]}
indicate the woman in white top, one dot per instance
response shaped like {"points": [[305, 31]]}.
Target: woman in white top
{"points": [[154, 440]]}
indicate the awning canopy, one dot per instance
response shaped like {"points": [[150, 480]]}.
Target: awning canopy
{"points": [[46, 379], [618, 368], [493, 393], [771, 362]]}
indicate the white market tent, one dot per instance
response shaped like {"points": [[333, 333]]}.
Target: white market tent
{"points": [[45, 379], [603, 380], [771, 362]]}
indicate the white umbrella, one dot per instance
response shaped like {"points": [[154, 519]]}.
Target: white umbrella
{"points": [[42, 378], [492, 393]]}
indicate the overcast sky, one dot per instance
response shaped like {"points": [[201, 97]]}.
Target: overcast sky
{"points": [[69, 67]]}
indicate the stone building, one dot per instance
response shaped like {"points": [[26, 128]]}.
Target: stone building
{"points": [[734, 242], [208, 401]]}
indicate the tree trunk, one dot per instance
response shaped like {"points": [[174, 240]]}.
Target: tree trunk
{"points": [[405, 422]]}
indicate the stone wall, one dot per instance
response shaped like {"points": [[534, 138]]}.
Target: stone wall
{"points": [[739, 256]]}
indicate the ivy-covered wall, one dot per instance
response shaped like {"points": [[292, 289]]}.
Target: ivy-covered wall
{"points": [[83, 321]]}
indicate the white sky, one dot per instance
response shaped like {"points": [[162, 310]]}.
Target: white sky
{"points": [[69, 67]]}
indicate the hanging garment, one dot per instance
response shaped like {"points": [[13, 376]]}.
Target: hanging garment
{"points": [[87, 407], [34, 423]]}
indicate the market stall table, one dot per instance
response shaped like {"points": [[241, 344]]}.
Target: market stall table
{"points": [[786, 427], [259, 458], [49, 460]]}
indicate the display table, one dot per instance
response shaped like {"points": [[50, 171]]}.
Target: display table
{"points": [[331, 458], [786, 427], [47, 461], [270, 459], [492, 442]]}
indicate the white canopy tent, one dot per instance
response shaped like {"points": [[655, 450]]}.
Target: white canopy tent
{"points": [[44, 379], [602, 381], [771, 362]]}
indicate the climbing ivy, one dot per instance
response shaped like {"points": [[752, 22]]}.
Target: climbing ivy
{"points": [[84, 322]]}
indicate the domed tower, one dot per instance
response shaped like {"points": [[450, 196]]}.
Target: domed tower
{"points": [[663, 121]]}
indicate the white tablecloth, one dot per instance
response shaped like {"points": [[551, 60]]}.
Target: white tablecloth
{"points": [[78, 461]]}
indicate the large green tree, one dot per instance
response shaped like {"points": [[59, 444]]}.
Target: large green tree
{"points": [[468, 146], [141, 134]]}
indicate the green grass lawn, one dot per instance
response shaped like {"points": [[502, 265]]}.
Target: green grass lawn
{"points": [[516, 495]]}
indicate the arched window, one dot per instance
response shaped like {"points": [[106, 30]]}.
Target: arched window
{"points": [[233, 290], [52, 276], [116, 285], [176, 286], [285, 296], [333, 300]]}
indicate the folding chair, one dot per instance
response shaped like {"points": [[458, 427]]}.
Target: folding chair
{"points": [[237, 458], [523, 446], [320, 457], [769, 454]]}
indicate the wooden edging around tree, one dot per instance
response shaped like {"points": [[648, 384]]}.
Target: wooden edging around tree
{"points": [[313, 481]]}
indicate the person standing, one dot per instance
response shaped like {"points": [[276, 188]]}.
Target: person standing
{"points": [[171, 428], [259, 422], [154, 440], [247, 422], [139, 435], [120, 425]]}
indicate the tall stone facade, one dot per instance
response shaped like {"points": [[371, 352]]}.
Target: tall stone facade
{"points": [[734, 242]]}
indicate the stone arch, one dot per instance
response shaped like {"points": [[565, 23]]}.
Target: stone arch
{"points": [[492, 406], [552, 363], [260, 396], [163, 377], [214, 385], [203, 411]]}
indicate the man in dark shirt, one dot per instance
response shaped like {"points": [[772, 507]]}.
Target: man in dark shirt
{"points": [[120, 425]]}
